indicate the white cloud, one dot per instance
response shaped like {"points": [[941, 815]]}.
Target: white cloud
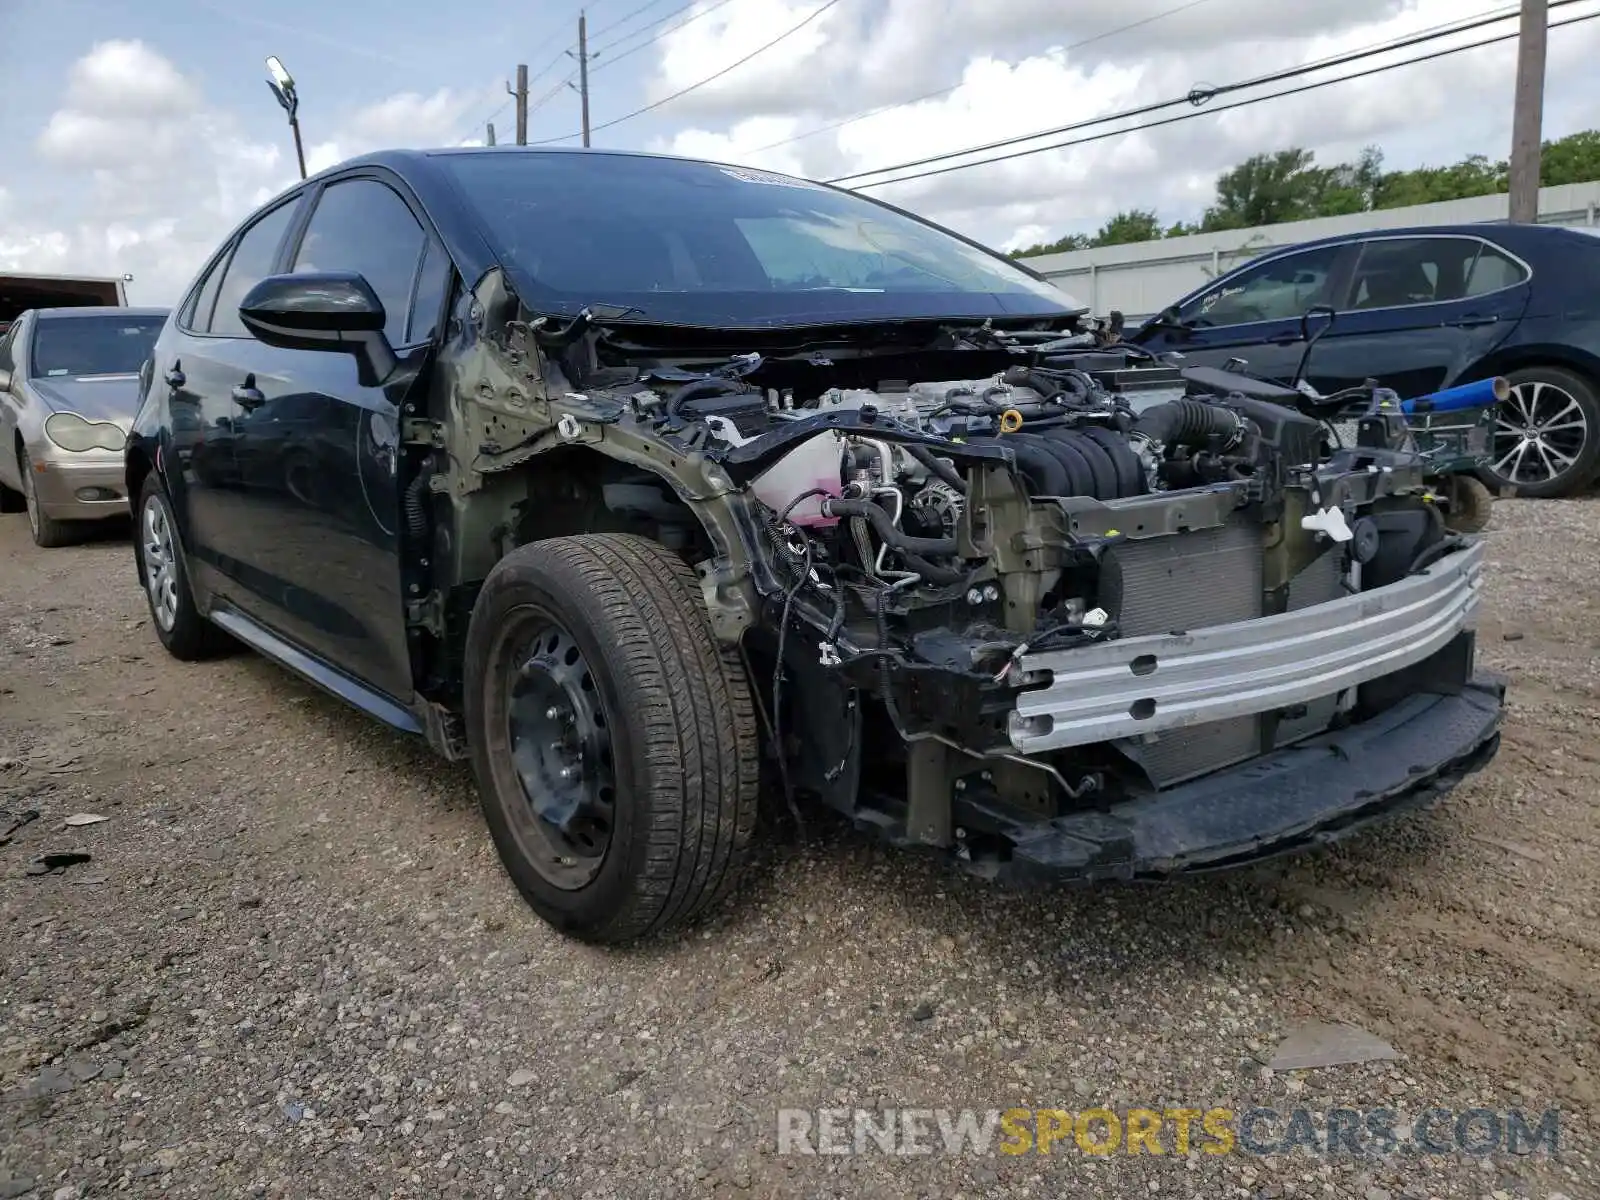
{"points": [[1442, 110], [137, 170], [141, 175], [406, 119]]}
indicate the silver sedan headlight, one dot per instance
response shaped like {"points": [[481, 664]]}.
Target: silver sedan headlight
{"points": [[71, 432]]}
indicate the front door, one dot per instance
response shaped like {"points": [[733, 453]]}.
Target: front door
{"points": [[1255, 312], [317, 453]]}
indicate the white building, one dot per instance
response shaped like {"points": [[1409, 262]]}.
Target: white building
{"points": [[1142, 278]]}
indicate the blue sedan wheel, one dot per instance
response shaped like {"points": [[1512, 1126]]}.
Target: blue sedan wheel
{"points": [[1547, 434]]}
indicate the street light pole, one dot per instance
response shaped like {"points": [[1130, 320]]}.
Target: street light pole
{"points": [[282, 85]]}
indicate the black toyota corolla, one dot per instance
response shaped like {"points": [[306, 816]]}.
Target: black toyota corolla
{"points": [[639, 481]]}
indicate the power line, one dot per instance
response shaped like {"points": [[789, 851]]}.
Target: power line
{"points": [[1201, 95], [643, 8], [650, 41], [1191, 116], [945, 91], [759, 50]]}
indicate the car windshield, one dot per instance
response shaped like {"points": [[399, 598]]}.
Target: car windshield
{"points": [[108, 345], [700, 244]]}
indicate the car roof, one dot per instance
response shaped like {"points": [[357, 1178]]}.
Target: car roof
{"points": [[1499, 231], [100, 310]]}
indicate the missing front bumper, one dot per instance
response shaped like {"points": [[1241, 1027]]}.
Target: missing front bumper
{"points": [[1312, 793]]}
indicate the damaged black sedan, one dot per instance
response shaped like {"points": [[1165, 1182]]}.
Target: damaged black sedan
{"points": [[644, 483]]}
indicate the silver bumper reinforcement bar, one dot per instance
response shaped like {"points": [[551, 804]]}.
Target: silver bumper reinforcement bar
{"points": [[1143, 685]]}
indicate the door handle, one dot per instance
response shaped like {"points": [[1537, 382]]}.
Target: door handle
{"points": [[248, 397], [1473, 320], [175, 378]]}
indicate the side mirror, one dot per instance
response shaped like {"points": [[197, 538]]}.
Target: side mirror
{"points": [[325, 310], [1169, 320]]}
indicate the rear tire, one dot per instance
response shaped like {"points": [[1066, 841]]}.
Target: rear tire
{"points": [[600, 708], [48, 532], [1546, 440], [165, 575]]}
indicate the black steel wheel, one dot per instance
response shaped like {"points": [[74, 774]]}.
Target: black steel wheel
{"points": [[560, 746], [1546, 439], [612, 738]]}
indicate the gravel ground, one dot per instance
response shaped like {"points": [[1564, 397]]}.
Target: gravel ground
{"points": [[293, 967]]}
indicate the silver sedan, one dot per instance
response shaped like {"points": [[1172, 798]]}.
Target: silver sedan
{"points": [[69, 388]]}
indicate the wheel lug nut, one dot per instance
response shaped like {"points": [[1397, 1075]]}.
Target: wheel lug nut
{"points": [[553, 713], [568, 774]]}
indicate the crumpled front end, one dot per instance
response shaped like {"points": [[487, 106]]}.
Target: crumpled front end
{"points": [[1021, 599]]}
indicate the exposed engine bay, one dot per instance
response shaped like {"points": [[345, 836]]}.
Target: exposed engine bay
{"points": [[1016, 584]]}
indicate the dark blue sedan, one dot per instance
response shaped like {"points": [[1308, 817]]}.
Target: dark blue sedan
{"points": [[1421, 309]]}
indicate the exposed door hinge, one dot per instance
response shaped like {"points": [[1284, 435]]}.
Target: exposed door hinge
{"points": [[427, 613], [418, 431]]}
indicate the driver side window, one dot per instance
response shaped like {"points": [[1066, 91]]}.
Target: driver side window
{"points": [[1279, 290]]}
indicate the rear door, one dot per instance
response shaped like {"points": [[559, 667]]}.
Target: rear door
{"points": [[317, 452], [197, 370], [1255, 313], [1418, 311]]}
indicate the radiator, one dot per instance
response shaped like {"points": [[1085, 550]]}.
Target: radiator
{"points": [[1191, 581]]}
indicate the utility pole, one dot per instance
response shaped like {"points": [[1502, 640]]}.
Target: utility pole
{"points": [[491, 133], [1528, 117], [521, 93], [583, 70]]}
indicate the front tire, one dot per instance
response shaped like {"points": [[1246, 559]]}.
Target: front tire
{"points": [[48, 532], [613, 739], [183, 631], [1546, 440]]}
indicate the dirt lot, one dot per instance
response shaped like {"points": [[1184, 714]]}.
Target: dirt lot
{"points": [[294, 968]]}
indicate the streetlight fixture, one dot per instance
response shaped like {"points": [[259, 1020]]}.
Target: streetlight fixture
{"points": [[282, 85]]}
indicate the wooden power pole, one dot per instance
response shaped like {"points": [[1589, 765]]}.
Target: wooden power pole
{"points": [[583, 71], [1528, 117], [521, 93], [491, 133]]}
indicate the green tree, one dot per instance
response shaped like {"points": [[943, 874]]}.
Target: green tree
{"points": [[1287, 185], [1474, 175], [1135, 225], [1572, 159], [1264, 190]]}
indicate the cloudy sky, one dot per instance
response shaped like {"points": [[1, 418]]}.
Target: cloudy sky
{"points": [[135, 136]]}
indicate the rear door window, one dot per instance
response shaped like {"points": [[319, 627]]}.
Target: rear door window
{"points": [[198, 314], [1493, 271], [1397, 272]]}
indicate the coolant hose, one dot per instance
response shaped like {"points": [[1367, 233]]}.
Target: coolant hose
{"points": [[885, 528], [701, 388], [1186, 423], [416, 514], [937, 465], [931, 572]]}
